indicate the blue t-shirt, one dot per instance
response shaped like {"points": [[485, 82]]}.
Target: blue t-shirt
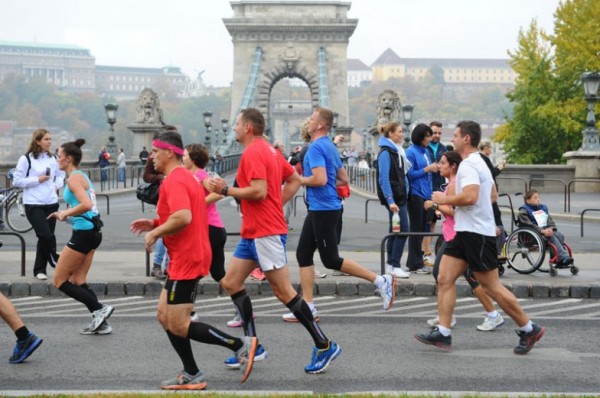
{"points": [[78, 222], [322, 153]]}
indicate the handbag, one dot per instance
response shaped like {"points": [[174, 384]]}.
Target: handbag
{"points": [[147, 192]]}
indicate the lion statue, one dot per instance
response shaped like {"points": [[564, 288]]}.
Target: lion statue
{"points": [[148, 108], [388, 107]]}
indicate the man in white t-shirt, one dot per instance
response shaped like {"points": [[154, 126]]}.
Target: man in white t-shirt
{"points": [[474, 245]]}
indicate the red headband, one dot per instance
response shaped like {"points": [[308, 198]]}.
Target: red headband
{"points": [[165, 145]]}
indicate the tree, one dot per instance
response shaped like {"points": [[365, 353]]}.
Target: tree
{"points": [[549, 110]]}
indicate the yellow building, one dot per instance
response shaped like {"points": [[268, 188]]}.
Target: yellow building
{"points": [[455, 71]]}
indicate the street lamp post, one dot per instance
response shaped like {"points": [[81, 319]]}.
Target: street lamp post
{"points": [[286, 141], [591, 81], [225, 127], [207, 123], [111, 118], [407, 111], [334, 124]]}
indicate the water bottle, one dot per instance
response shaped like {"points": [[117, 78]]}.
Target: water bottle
{"points": [[395, 223]]}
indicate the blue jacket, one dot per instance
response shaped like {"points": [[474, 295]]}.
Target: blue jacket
{"points": [[384, 163], [420, 181]]}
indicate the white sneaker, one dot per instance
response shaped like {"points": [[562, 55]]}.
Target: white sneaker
{"points": [[490, 324], [319, 274], [436, 321], [399, 273], [41, 276], [388, 291], [290, 317], [428, 259]]}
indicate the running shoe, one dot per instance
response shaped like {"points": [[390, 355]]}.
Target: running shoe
{"points": [[257, 275], [428, 259], [245, 356], [100, 316], [23, 349], [399, 273], [236, 322], [233, 363], [436, 321], [339, 273], [319, 274], [104, 328], [434, 337], [421, 271], [490, 324], [185, 381], [322, 358], [388, 291], [528, 340], [290, 317]]}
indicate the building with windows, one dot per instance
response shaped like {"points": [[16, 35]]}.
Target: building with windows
{"points": [[358, 73], [454, 71], [124, 82], [69, 67]]}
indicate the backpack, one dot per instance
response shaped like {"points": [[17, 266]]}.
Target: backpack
{"points": [[397, 178]]}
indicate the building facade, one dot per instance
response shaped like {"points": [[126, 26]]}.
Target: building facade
{"points": [[454, 71], [358, 73], [70, 68]]}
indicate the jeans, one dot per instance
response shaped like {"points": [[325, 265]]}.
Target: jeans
{"points": [[104, 174], [160, 254], [395, 245], [557, 240], [121, 174]]}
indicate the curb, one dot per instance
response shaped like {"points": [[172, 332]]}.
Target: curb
{"points": [[342, 289]]}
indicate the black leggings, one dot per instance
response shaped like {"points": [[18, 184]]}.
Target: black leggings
{"points": [[37, 215], [218, 237], [320, 232]]}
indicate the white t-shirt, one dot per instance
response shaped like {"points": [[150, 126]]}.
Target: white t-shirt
{"points": [[478, 218]]}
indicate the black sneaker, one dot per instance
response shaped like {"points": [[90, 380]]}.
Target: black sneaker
{"points": [[528, 340], [434, 337]]}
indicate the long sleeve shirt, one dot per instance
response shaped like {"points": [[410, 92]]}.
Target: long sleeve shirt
{"points": [[34, 192]]}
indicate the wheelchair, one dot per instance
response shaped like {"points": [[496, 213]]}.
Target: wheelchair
{"points": [[525, 250]]}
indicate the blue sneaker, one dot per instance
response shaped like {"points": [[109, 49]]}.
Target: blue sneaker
{"points": [[321, 358], [23, 349], [233, 363]]}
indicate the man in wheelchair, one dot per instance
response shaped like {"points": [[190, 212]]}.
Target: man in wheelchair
{"points": [[534, 214]]}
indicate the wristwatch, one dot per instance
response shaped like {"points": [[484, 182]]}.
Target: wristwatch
{"points": [[224, 190], [434, 206]]}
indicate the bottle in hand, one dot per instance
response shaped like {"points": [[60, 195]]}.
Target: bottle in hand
{"points": [[395, 223]]}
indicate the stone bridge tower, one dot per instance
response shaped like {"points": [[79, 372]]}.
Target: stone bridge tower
{"points": [[307, 40]]}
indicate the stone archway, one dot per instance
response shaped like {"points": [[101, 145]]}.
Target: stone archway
{"points": [[306, 40]]}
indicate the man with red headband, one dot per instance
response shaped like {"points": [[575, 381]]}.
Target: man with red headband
{"points": [[182, 223]]}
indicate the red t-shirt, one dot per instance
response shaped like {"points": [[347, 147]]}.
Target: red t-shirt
{"points": [[261, 161], [189, 250]]}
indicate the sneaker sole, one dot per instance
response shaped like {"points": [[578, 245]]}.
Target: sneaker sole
{"points": [[438, 345], [197, 386], [393, 293], [295, 320], [112, 309], [538, 337], [231, 324], [490, 330], [251, 355], [333, 357], [29, 351]]}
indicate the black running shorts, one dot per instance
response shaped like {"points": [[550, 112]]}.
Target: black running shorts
{"points": [[84, 240], [181, 292], [479, 251]]}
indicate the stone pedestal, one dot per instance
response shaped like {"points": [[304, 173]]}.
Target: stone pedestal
{"points": [[143, 135], [587, 165]]}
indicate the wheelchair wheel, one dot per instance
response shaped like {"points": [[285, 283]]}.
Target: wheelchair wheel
{"points": [[525, 250], [551, 250]]}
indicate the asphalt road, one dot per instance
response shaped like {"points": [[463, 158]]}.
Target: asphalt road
{"points": [[379, 352], [356, 236]]}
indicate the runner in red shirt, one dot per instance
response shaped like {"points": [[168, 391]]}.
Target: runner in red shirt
{"points": [[260, 174], [183, 225]]}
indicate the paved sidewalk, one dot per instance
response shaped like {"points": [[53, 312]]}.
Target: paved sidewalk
{"points": [[119, 273]]}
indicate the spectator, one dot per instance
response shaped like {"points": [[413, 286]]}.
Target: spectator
{"points": [[143, 156], [121, 165], [103, 162]]}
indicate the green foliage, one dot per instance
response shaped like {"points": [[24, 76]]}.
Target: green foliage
{"points": [[549, 109]]}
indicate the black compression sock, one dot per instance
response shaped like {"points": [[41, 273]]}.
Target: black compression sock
{"points": [[184, 349], [303, 313], [207, 334], [242, 302], [80, 294]]}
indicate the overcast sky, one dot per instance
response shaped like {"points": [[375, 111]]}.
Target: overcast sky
{"points": [[191, 33]]}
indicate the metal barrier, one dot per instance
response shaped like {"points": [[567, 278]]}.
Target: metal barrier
{"points": [[367, 208], [514, 178], [582, 180], [6, 233], [295, 203], [407, 234], [107, 202], [512, 210], [555, 180], [581, 219]]}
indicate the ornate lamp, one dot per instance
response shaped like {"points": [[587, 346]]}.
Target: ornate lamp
{"points": [[591, 83], [207, 123], [407, 113], [111, 119]]}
